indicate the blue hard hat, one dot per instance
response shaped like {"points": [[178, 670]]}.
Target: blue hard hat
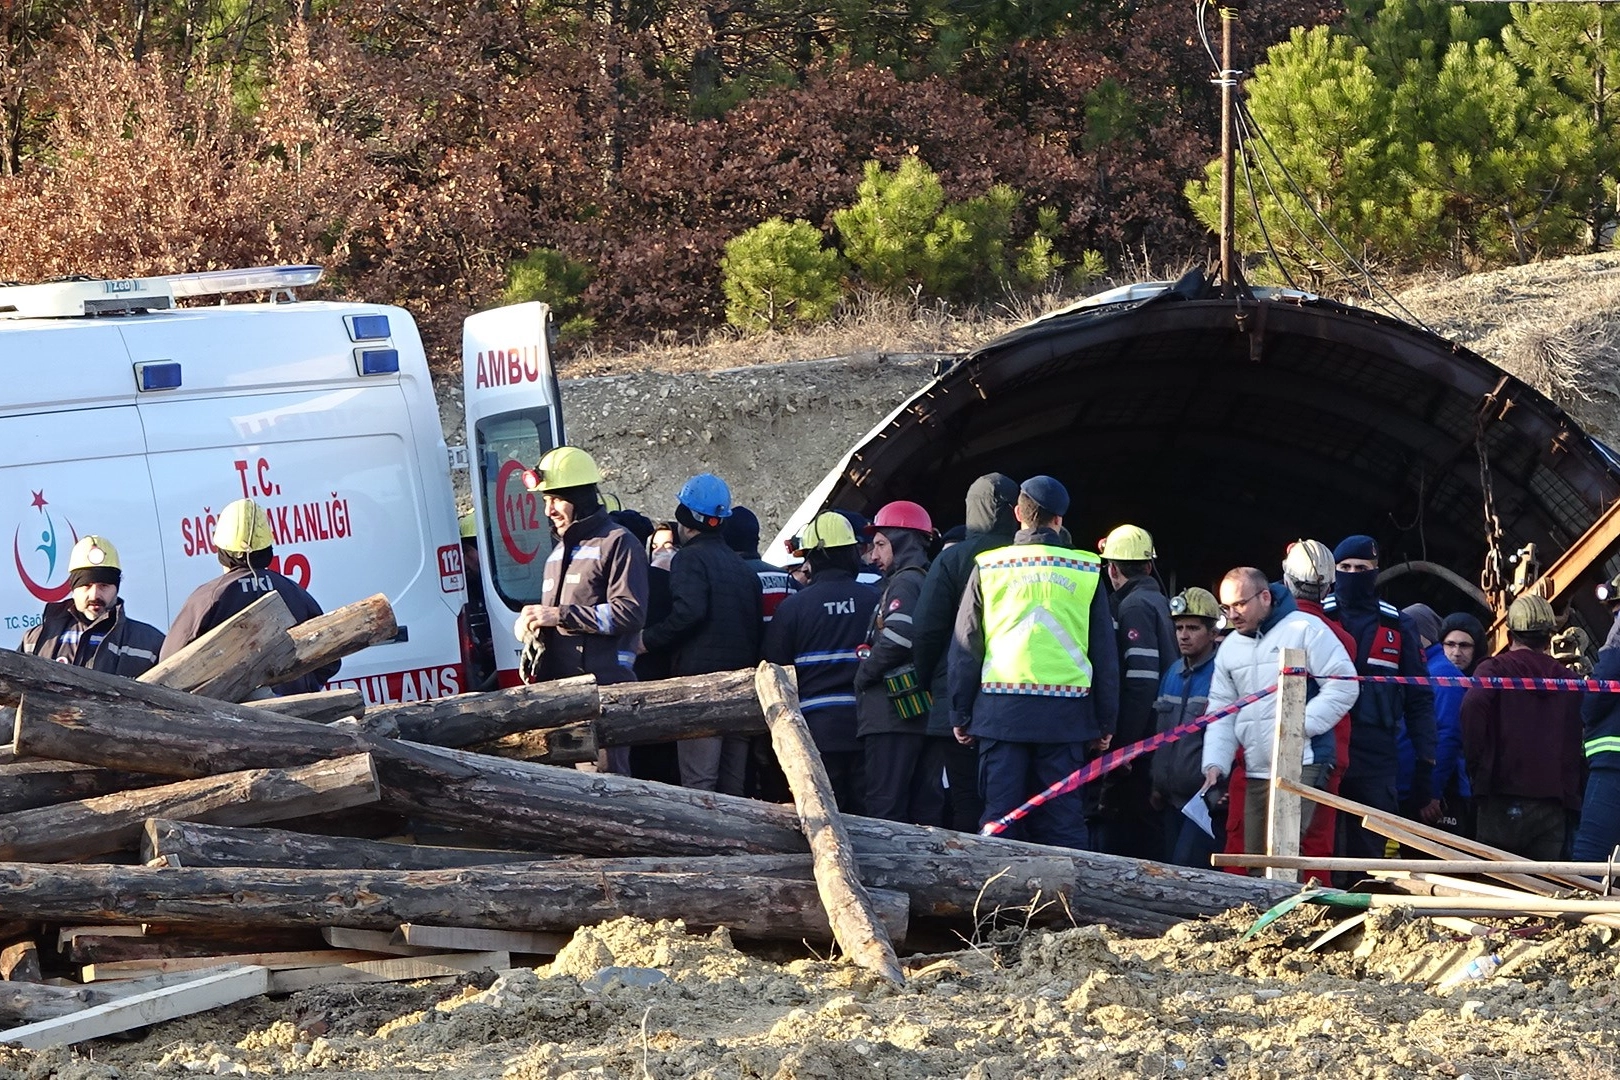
{"points": [[707, 496]]}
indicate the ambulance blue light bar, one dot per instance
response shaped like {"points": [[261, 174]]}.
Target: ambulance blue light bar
{"points": [[163, 375], [377, 361], [367, 327]]}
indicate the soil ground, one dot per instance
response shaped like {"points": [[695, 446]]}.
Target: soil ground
{"points": [[1197, 1002]]}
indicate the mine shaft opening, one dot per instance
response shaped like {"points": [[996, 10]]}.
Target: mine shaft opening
{"points": [[1229, 428]]}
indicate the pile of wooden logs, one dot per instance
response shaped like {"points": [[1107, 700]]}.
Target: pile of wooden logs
{"points": [[154, 832]]}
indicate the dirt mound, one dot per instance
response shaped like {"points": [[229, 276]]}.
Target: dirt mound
{"points": [[632, 999]]}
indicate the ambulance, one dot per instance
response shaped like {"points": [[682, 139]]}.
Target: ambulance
{"points": [[138, 408]]}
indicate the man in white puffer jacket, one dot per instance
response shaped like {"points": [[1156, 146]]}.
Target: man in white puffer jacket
{"points": [[1265, 621]]}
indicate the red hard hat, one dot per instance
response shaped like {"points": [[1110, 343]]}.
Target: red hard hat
{"points": [[903, 515]]}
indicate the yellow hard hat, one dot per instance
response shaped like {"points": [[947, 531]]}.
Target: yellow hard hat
{"points": [[611, 502], [564, 467], [243, 526], [1195, 601], [469, 526], [830, 529], [94, 553], [1128, 543], [1532, 614]]}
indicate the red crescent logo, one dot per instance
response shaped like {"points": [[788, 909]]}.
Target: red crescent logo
{"points": [[40, 592]]}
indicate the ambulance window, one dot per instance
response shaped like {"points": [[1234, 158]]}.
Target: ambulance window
{"points": [[520, 535]]}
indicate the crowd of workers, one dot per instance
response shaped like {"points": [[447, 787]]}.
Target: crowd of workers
{"points": [[948, 678], [89, 627]]}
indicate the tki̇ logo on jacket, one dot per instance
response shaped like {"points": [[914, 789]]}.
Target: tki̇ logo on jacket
{"points": [[48, 559]]}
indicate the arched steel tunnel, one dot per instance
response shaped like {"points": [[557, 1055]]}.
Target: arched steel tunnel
{"points": [[1229, 427]]}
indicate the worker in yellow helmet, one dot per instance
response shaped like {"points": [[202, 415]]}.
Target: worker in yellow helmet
{"points": [[245, 545], [1147, 649], [88, 628], [593, 600]]}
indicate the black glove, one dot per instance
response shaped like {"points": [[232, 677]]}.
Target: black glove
{"points": [[1422, 790]]}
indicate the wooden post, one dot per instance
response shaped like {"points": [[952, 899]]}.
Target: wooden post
{"points": [[1287, 759], [855, 924], [231, 660]]}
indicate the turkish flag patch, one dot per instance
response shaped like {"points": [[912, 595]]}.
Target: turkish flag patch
{"points": [[894, 605], [1133, 634]]}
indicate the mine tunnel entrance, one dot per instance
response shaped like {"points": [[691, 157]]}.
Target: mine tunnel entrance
{"points": [[1230, 427]]}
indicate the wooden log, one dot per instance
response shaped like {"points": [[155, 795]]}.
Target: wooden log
{"points": [[25, 785], [337, 634], [231, 660], [1287, 761], [19, 962], [207, 991], [90, 827], [854, 922], [199, 844], [528, 942], [322, 707], [396, 969], [553, 746], [468, 719], [689, 707], [503, 898], [22, 1003], [378, 941], [565, 810]]}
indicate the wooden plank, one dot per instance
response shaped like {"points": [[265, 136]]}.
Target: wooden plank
{"points": [[275, 961], [208, 991], [336, 634], [65, 935], [377, 941], [397, 969], [532, 942], [233, 659], [1438, 866], [1392, 829], [1287, 760], [103, 949], [855, 923]]}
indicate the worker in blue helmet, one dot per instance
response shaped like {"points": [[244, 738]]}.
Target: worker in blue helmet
{"points": [[715, 622]]}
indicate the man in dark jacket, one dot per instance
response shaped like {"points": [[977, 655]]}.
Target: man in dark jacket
{"points": [[89, 628], [892, 705], [1178, 769], [990, 524], [1034, 674], [1523, 747], [715, 623], [817, 630], [1386, 644], [1599, 831], [1147, 650], [741, 530], [245, 545]]}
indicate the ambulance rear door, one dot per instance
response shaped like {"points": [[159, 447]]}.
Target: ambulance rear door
{"points": [[72, 463], [513, 417], [282, 404]]}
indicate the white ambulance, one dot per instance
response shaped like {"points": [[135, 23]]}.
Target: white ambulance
{"points": [[128, 415]]}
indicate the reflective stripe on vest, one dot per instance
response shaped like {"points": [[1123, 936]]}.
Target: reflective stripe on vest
{"points": [[1603, 744], [1037, 620]]}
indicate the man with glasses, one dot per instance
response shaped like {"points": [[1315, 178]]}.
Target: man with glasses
{"points": [[1386, 644], [1265, 620]]}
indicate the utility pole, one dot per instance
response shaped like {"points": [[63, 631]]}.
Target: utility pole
{"points": [[1228, 83]]}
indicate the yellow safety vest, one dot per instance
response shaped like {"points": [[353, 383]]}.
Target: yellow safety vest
{"points": [[1037, 619]]}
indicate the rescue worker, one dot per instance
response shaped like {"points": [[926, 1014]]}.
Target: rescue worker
{"points": [[1599, 831], [90, 629], [1386, 644], [741, 530], [990, 524], [481, 638], [1524, 746], [1034, 672], [1147, 650], [892, 702], [1265, 620], [817, 630], [245, 546], [593, 599], [715, 623], [1178, 769]]}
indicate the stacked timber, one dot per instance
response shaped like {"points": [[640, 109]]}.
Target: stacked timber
{"points": [[174, 844]]}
